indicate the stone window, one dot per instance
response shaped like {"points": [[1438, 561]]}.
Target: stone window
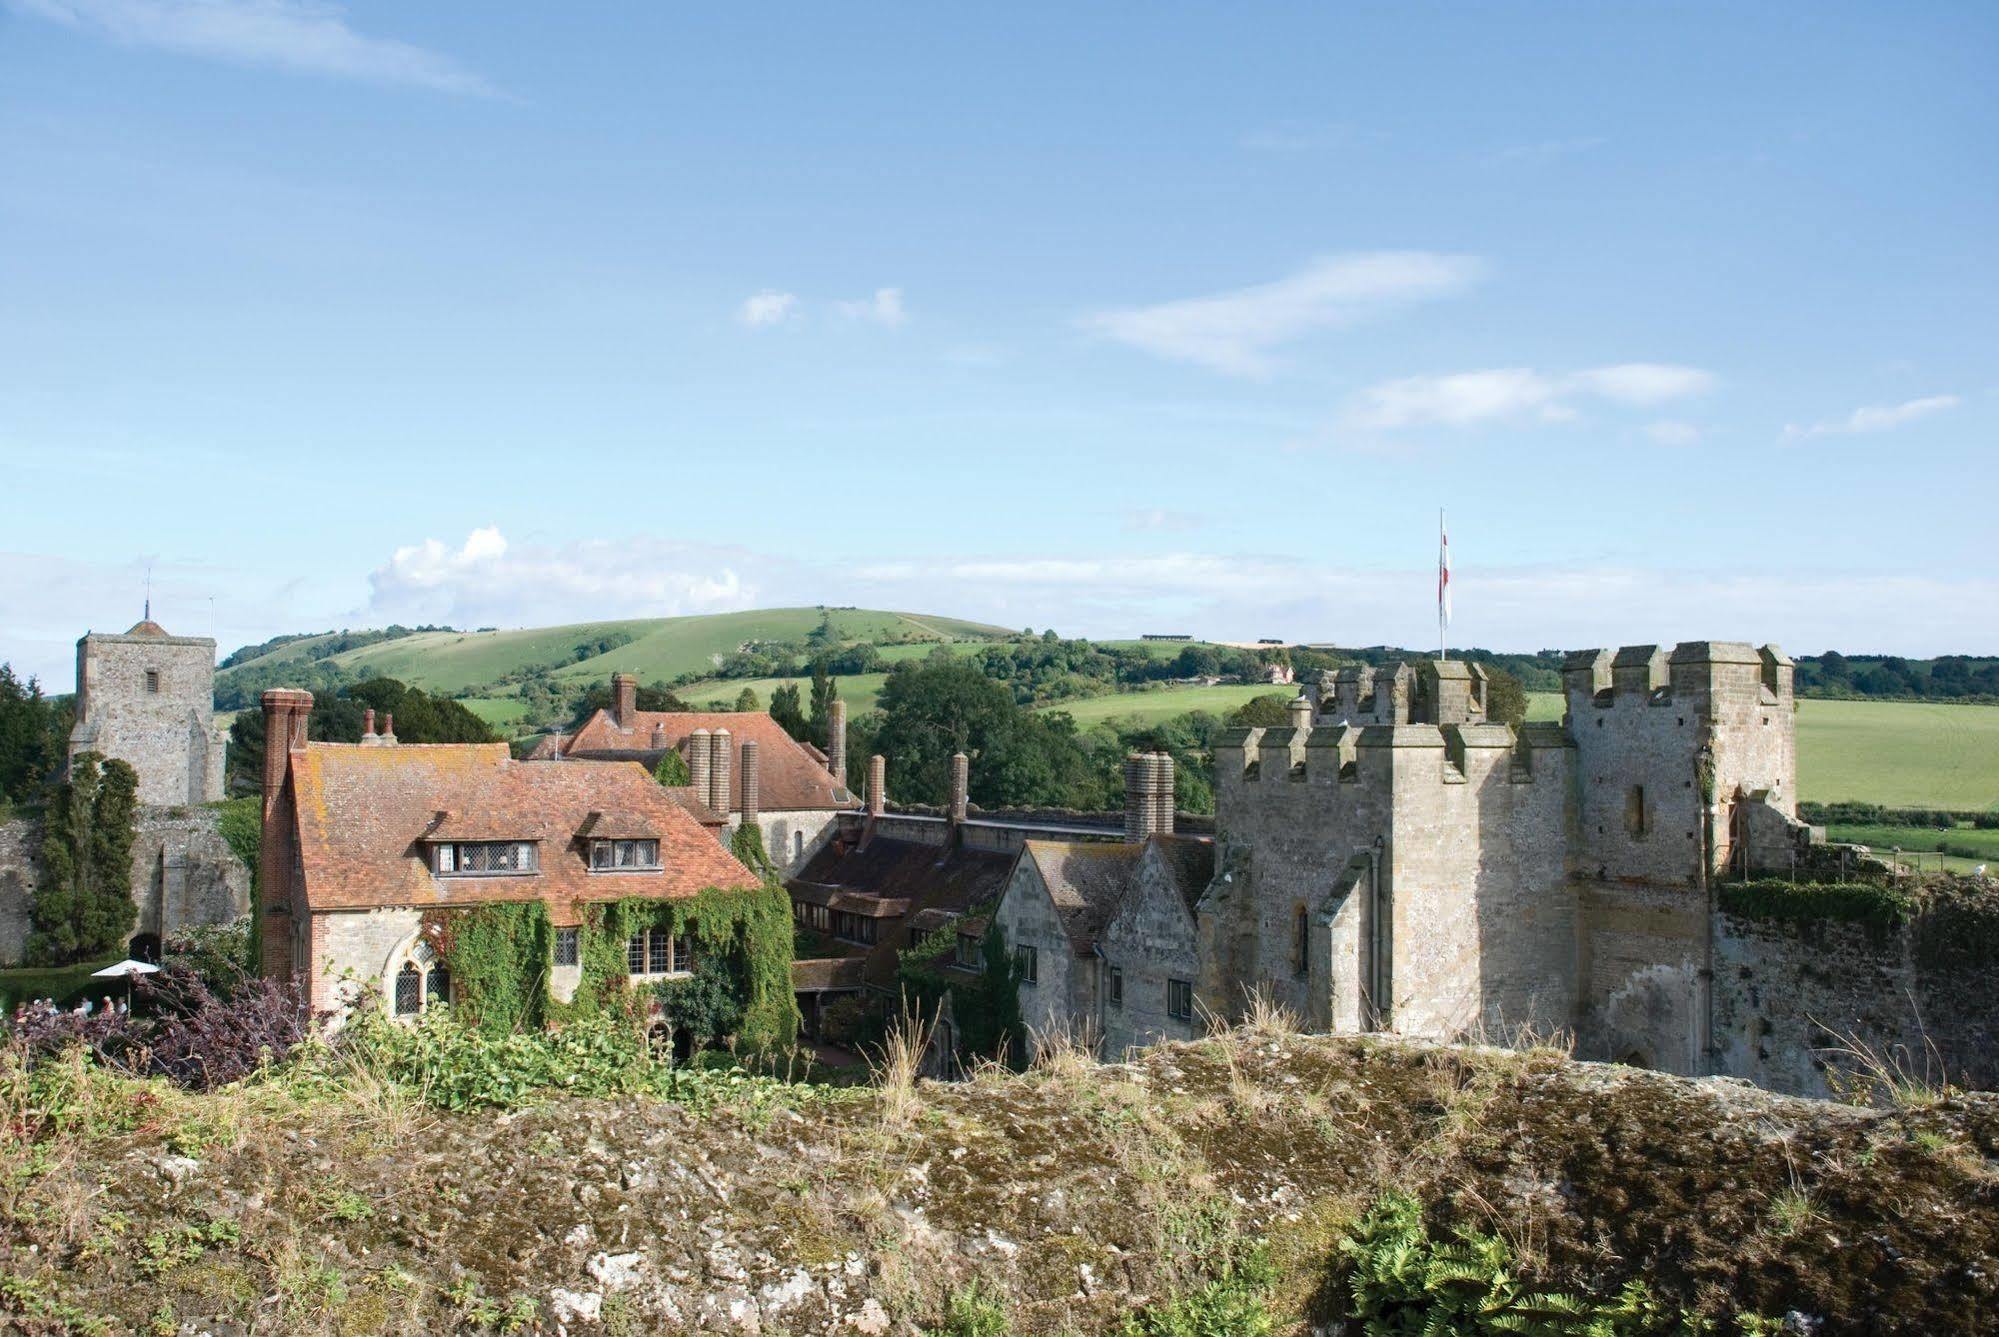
{"points": [[1180, 1000], [1115, 989], [967, 954], [1028, 961], [567, 950], [437, 986], [853, 927], [651, 953], [152, 682], [623, 855], [409, 990], [1634, 811], [1301, 941], [471, 858]]}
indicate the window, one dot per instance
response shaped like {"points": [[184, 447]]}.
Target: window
{"points": [[1028, 961], [1180, 1000], [635, 954], [655, 952], [1634, 811], [967, 955], [683, 952], [409, 990], [623, 854], [437, 986], [487, 856], [152, 682], [1301, 942], [1116, 989], [853, 927], [566, 950]]}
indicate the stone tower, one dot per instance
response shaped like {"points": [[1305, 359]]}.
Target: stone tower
{"points": [[148, 699]]}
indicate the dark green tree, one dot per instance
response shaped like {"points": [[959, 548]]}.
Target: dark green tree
{"points": [[1269, 711], [337, 718], [824, 693], [789, 714], [1505, 697], [84, 908], [746, 700], [933, 709], [29, 745], [672, 771]]}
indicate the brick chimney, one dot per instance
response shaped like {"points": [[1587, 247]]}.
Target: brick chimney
{"points": [[1161, 766], [961, 785], [286, 713], [751, 782], [624, 699], [697, 763], [877, 785], [368, 722], [388, 733], [836, 742], [719, 797]]}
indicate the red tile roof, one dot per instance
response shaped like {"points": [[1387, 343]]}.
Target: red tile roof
{"points": [[365, 812], [789, 776]]}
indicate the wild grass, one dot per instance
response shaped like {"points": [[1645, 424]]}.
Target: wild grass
{"points": [[896, 1068], [1894, 1077]]}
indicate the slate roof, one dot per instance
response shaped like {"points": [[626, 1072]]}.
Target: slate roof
{"points": [[928, 884], [365, 812], [791, 776], [1086, 880], [1189, 862]]}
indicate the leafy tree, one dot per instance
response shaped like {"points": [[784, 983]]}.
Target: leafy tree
{"points": [[652, 696], [933, 709], [84, 906], [337, 718], [789, 714], [824, 693], [30, 747], [672, 771], [1269, 711], [747, 700], [1505, 697]]}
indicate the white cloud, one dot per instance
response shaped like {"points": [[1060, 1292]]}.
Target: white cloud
{"points": [[1157, 520], [1236, 332], [1468, 397], [1874, 418], [488, 581], [769, 307], [884, 308], [303, 36], [1670, 433]]}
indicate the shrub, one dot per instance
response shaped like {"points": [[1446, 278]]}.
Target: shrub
{"points": [[203, 1040], [1880, 908]]}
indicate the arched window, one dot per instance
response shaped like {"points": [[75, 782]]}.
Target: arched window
{"points": [[437, 986], [797, 846], [409, 990]]}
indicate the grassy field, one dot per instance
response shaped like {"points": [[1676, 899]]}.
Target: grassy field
{"points": [[504, 714], [1161, 703], [1902, 754], [859, 691]]}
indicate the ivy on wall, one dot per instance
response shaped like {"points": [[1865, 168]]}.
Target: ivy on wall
{"points": [[986, 1005], [1880, 909], [499, 957], [747, 844]]}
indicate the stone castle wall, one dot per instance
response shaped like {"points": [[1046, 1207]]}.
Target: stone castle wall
{"points": [[184, 875]]}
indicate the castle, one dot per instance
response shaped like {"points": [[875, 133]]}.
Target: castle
{"points": [[1392, 860]]}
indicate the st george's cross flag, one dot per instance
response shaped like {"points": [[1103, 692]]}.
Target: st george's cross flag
{"points": [[1443, 574]]}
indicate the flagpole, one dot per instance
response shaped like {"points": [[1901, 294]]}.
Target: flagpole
{"points": [[1443, 585]]}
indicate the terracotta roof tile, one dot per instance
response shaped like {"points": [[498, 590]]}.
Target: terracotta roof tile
{"points": [[790, 777], [365, 812]]}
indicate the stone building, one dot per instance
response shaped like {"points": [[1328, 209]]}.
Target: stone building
{"points": [[1390, 860], [362, 839], [148, 699], [742, 763]]}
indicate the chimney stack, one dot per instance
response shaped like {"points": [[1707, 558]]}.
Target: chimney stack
{"points": [[389, 726], [286, 712], [1161, 765], [697, 763], [1301, 711], [836, 742], [1138, 813], [961, 785], [877, 785], [624, 699], [721, 799], [752, 783], [368, 722]]}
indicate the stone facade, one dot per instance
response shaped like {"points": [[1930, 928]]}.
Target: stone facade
{"points": [[148, 699]]}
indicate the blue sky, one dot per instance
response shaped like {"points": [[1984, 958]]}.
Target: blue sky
{"points": [[1116, 318]]}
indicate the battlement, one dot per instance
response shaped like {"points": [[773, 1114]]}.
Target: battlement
{"points": [[1360, 754], [1427, 691], [1692, 674]]}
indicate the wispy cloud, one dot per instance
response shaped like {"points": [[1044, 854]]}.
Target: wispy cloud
{"points": [[1466, 398], [1153, 519], [303, 36], [1874, 418], [1235, 332], [1546, 150], [769, 307], [884, 308]]}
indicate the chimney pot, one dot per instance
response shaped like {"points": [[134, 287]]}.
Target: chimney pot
{"points": [[751, 782], [1137, 797], [389, 726], [697, 763], [1161, 766], [877, 785], [836, 742], [368, 722], [961, 784], [720, 796], [624, 699]]}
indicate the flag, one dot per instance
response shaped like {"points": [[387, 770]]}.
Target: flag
{"points": [[1443, 573]]}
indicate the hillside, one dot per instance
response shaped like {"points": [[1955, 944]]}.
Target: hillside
{"points": [[656, 649], [1257, 1182]]}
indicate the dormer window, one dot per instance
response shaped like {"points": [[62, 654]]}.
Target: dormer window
{"points": [[473, 858], [611, 856]]}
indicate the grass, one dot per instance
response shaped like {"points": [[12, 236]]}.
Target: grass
{"points": [[859, 691], [503, 713], [1162, 703]]}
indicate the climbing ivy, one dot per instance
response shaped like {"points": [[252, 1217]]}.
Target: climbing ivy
{"points": [[498, 956], [747, 844], [1879, 908], [986, 1006]]}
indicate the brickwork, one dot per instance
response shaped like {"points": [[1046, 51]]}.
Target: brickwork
{"points": [[148, 699]]}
